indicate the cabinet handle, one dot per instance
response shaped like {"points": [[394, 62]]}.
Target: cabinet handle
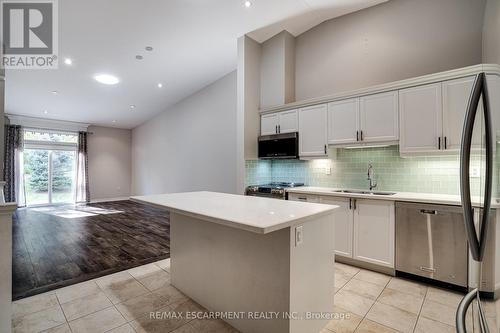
{"points": [[445, 142], [279, 128], [428, 211], [354, 204], [276, 129], [325, 150], [439, 143], [427, 269], [350, 203], [361, 136], [357, 135], [302, 198]]}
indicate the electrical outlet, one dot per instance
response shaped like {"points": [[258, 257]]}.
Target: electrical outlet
{"points": [[328, 170], [474, 172], [299, 235]]}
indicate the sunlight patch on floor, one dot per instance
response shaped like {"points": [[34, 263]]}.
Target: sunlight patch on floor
{"points": [[75, 211]]}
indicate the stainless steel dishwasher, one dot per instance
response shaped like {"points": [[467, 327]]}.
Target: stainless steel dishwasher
{"points": [[431, 242]]}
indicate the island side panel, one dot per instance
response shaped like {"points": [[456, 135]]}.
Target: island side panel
{"points": [[228, 269], [312, 273]]}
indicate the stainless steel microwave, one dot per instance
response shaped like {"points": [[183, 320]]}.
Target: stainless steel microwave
{"points": [[279, 146]]}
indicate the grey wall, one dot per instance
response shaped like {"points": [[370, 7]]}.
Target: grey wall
{"points": [[491, 32], [248, 102], [191, 146], [392, 41], [110, 161], [277, 70]]}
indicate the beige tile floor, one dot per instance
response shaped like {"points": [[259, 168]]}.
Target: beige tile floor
{"points": [[367, 302]]}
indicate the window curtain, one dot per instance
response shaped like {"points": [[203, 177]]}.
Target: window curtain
{"points": [[82, 172], [13, 165]]}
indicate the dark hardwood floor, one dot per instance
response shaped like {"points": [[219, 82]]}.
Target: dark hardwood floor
{"points": [[60, 246]]}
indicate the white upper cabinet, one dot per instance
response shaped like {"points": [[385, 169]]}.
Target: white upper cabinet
{"points": [[421, 117], [343, 219], [288, 121], [269, 124], [280, 122], [379, 117], [374, 232], [373, 118], [456, 95], [313, 131], [343, 121]]}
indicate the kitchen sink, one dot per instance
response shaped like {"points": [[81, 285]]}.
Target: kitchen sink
{"points": [[364, 192]]}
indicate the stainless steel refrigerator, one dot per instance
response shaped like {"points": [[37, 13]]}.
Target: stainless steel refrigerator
{"points": [[479, 190]]}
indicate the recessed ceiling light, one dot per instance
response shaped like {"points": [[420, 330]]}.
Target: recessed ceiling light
{"points": [[247, 4], [45, 111], [149, 48], [139, 57], [113, 121], [68, 61], [106, 79], [132, 106], [54, 92], [160, 85]]}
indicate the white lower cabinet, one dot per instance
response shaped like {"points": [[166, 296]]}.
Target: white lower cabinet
{"points": [[374, 232], [364, 229], [343, 224]]}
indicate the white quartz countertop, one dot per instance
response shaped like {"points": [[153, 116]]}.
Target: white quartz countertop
{"points": [[441, 199], [260, 215]]}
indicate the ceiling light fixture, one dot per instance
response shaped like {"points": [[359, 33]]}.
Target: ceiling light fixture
{"points": [[45, 111], [132, 106], [160, 85], [54, 92], [106, 79], [113, 121], [139, 57], [68, 61], [247, 4], [149, 48]]}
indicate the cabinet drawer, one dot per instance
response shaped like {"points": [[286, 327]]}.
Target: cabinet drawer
{"points": [[303, 197]]}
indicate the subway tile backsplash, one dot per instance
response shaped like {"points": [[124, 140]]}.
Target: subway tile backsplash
{"points": [[430, 174]]}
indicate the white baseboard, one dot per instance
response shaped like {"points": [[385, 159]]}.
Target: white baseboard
{"points": [[109, 199]]}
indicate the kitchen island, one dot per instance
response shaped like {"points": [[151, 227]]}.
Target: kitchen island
{"points": [[268, 263]]}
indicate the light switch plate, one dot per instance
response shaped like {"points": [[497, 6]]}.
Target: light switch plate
{"points": [[299, 235]]}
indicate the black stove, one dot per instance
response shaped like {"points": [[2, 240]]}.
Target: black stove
{"points": [[271, 190]]}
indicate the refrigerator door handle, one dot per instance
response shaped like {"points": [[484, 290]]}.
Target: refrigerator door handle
{"points": [[460, 318], [476, 243]]}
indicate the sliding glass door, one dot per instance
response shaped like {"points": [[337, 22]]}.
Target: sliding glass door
{"points": [[49, 176], [36, 176], [49, 167]]}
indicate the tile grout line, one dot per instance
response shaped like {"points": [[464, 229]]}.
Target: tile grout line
{"points": [[64, 314], [364, 317], [420, 310]]}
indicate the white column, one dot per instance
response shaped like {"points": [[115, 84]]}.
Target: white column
{"points": [[6, 211]]}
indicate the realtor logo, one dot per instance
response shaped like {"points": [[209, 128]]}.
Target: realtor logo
{"points": [[29, 34]]}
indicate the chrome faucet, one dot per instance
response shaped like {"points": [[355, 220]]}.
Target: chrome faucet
{"points": [[373, 183]]}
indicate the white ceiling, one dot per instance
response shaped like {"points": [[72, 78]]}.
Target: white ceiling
{"points": [[194, 44]]}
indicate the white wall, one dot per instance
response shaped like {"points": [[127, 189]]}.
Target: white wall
{"points": [[110, 161], [491, 32], [191, 146], [392, 41]]}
